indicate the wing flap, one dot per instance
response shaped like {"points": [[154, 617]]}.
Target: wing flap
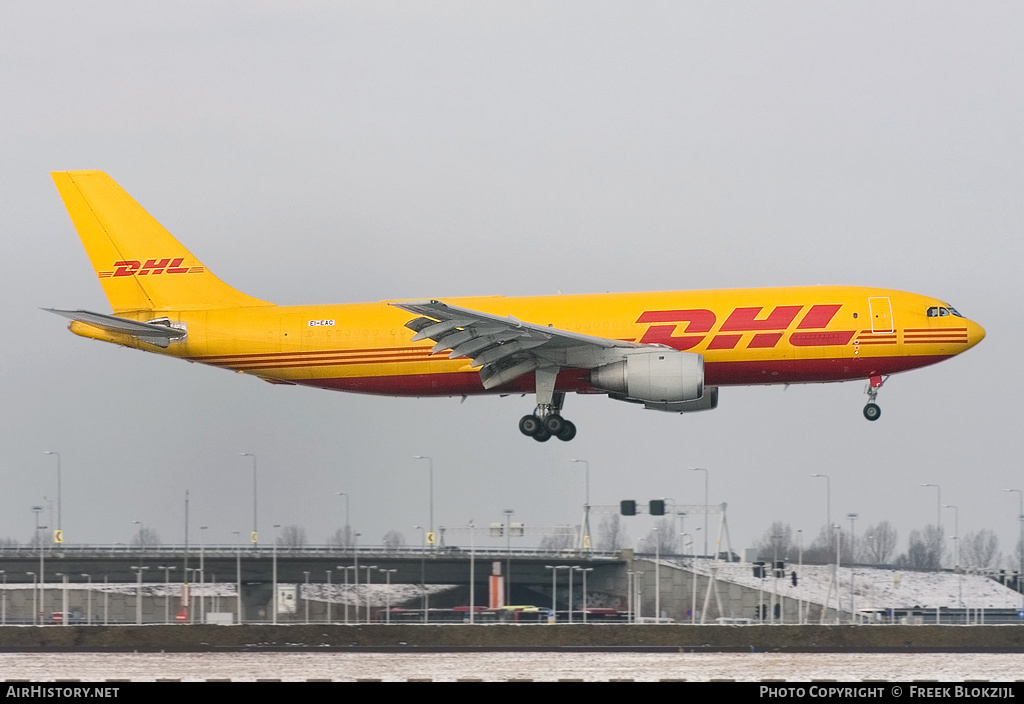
{"points": [[433, 330], [505, 348], [477, 344], [494, 379]]}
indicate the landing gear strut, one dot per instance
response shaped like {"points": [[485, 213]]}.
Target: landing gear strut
{"points": [[871, 410], [546, 420]]}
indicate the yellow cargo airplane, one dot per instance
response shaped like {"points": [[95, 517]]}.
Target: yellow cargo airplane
{"points": [[669, 351]]}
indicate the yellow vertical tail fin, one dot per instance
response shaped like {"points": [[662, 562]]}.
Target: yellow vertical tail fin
{"points": [[141, 266]]}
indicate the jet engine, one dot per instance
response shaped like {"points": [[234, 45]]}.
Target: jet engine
{"points": [[658, 376]]}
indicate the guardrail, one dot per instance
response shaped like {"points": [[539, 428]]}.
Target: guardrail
{"points": [[307, 551]]}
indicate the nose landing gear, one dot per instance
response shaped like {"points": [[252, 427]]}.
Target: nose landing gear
{"points": [[872, 410]]}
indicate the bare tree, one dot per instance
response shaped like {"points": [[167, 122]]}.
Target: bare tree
{"points": [[8, 543], [145, 537], [563, 539], [393, 540], [878, 544], [661, 539], [980, 549], [925, 550], [822, 550], [776, 542], [611, 533], [292, 536], [342, 538]]}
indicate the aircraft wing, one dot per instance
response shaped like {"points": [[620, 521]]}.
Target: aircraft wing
{"points": [[156, 332], [503, 347]]}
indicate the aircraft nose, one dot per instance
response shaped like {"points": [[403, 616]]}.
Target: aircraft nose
{"points": [[975, 333]]}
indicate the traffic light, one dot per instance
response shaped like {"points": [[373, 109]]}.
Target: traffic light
{"points": [[657, 507], [627, 507]]}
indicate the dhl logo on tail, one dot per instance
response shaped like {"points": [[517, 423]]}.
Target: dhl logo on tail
{"points": [[154, 267]]}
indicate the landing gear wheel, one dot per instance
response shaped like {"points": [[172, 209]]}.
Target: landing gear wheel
{"points": [[568, 431], [529, 425], [542, 435], [872, 411], [554, 423]]}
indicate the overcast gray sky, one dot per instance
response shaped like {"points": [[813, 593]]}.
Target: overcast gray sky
{"points": [[354, 151]]}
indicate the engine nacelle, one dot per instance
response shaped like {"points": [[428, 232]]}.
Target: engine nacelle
{"points": [[706, 402], [653, 376]]}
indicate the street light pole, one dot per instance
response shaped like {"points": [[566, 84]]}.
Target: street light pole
{"points": [[853, 540], [35, 608], [387, 592], [167, 591], [1020, 541], [60, 524], [853, 574], [938, 504], [706, 481], [255, 528], [345, 534], [305, 596], [345, 592], [585, 533], [64, 598], [369, 569], [238, 573], [431, 515], [508, 556], [42, 564], [202, 577], [554, 593], [472, 573], [138, 593], [657, 574], [956, 535], [584, 571], [423, 571], [956, 551], [328, 597], [88, 611], [693, 576], [274, 601]]}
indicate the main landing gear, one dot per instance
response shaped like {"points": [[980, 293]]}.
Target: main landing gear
{"points": [[546, 420], [542, 428], [871, 410]]}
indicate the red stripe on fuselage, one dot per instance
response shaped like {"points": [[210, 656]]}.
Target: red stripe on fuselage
{"points": [[806, 371]]}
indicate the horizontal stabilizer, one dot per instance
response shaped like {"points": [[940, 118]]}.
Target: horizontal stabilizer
{"points": [[158, 332]]}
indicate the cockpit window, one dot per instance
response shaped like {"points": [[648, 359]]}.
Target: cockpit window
{"points": [[940, 311]]}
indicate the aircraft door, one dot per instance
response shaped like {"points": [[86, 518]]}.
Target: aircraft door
{"points": [[880, 308]]}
